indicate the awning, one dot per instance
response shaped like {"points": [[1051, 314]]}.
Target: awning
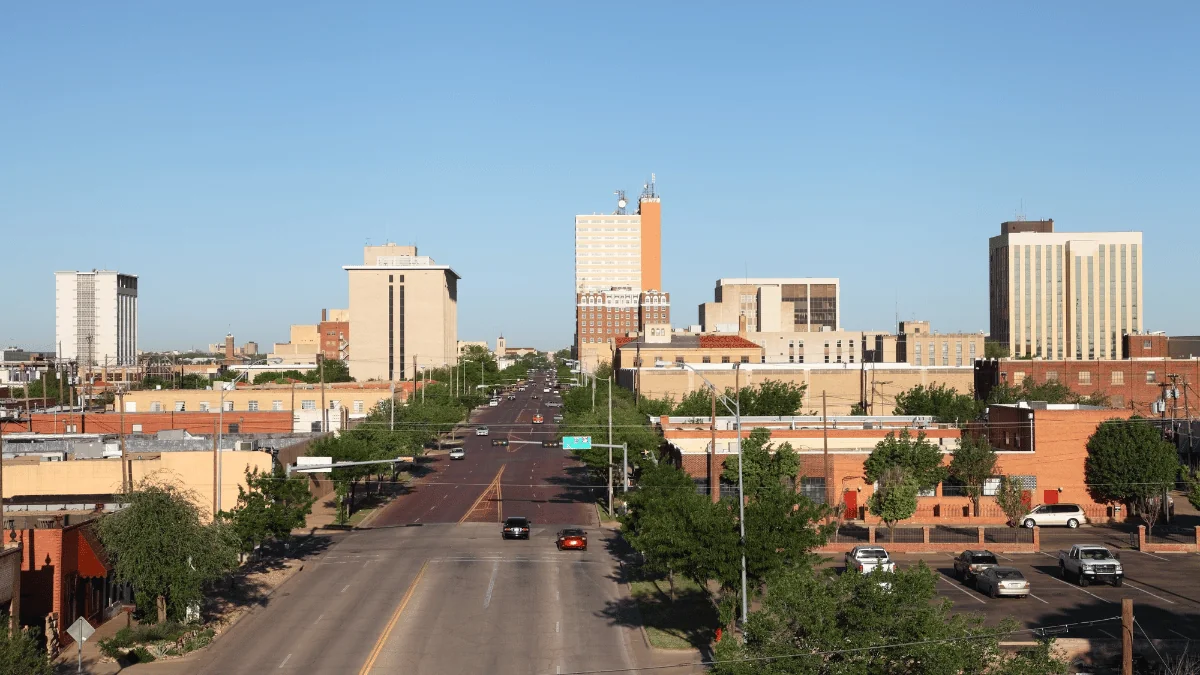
{"points": [[93, 561]]}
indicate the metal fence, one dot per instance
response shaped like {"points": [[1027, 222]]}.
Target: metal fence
{"points": [[1171, 535], [944, 534], [852, 533], [1007, 535], [903, 535]]}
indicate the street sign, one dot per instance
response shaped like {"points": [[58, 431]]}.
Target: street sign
{"points": [[302, 462], [81, 630], [577, 442]]}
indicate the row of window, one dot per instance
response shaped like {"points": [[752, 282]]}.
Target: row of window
{"points": [[252, 406], [1085, 377], [708, 359]]}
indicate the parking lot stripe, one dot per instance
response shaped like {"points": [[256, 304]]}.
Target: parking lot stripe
{"points": [[1156, 556], [1170, 602], [1005, 557], [962, 590], [1048, 555], [1037, 598], [1083, 590], [1107, 633], [1180, 635]]}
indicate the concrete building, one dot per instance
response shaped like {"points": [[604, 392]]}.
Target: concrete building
{"points": [[831, 346], [403, 313], [658, 346], [916, 345], [301, 349], [96, 317], [620, 249], [773, 305], [334, 334], [1064, 295]]}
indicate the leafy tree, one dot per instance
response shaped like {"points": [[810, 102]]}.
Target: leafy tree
{"points": [[334, 371], [1010, 498], [765, 466], [194, 381], [920, 459], [820, 623], [772, 398], [973, 463], [995, 350], [269, 507], [164, 550], [1050, 391], [697, 403], [20, 653], [562, 354], [895, 499], [857, 409], [655, 407], [1129, 462], [943, 403]]}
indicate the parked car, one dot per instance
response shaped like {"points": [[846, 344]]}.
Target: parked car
{"points": [[545, 390], [1087, 563], [969, 564], [1070, 515], [512, 397], [558, 419], [481, 431], [573, 539], [998, 581], [867, 559], [493, 403], [458, 453], [516, 527]]}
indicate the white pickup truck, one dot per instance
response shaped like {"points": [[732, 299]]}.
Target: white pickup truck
{"points": [[1088, 563], [867, 559]]}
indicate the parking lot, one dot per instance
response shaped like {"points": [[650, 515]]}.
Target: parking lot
{"points": [[1165, 589]]}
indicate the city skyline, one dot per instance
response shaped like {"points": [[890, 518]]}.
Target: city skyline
{"points": [[209, 178]]}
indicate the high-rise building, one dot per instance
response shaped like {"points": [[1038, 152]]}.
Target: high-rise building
{"points": [[618, 250], [773, 305], [1064, 295], [603, 317], [96, 318], [403, 313]]}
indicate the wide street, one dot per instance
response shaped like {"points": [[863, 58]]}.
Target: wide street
{"points": [[430, 586]]}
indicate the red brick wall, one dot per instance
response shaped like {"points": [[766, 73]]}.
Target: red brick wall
{"points": [[1145, 346], [1129, 391], [332, 334], [198, 423]]}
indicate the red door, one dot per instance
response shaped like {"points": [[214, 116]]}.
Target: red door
{"points": [[1049, 496], [851, 499]]}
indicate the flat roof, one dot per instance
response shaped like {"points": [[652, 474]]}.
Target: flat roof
{"points": [[777, 281], [801, 366], [411, 268]]}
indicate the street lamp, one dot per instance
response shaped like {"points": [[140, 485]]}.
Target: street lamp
{"points": [[736, 411], [225, 387]]}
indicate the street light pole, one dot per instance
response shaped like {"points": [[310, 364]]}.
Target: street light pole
{"points": [[610, 471]]}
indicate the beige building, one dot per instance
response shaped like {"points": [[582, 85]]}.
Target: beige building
{"points": [[872, 385], [464, 345], [1064, 295], [620, 249], [302, 347], [831, 346], [357, 397], [778, 305], [403, 313], [918, 346]]}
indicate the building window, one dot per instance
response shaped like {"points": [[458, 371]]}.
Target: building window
{"points": [[308, 404], [156, 406], [180, 407], [705, 359], [358, 406], [1118, 401], [228, 406], [678, 359], [334, 405], [1052, 376], [276, 405], [1085, 377], [826, 358], [1018, 377], [1118, 377], [252, 406], [204, 406], [724, 359], [745, 359], [1145, 344], [814, 489], [1150, 377]]}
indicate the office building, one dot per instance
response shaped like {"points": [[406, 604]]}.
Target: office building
{"points": [[403, 313], [96, 318], [917, 345], [773, 305], [334, 331], [620, 250], [1064, 295]]}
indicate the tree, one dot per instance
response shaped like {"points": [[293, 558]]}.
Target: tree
{"points": [[1010, 497], [1050, 391], [772, 398], [765, 465], [697, 403], [20, 653], [895, 499], [973, 463], [334, 369], [1129, 462], [942, 403], [994, 350], [857, 410], [269, 507], [920, 459], [820, 623], [163, 549]]}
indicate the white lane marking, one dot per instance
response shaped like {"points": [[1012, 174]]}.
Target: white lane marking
{"points": [[285, 660], [963, 591], [1169, 602], [367, 563], [319, 617], [1156, 556], [1107, 633], [487, 599], [1078, 588], [1048, 555], [555, 626], [1037, 598], [1004, 556], [344, 588], [1180, 635]]}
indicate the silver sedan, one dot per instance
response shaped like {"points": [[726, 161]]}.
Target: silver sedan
{"points": [[998, 581]]}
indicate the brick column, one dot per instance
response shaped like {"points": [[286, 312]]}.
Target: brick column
{"points": [[1037, 538], [871, 534], [925, 534], [1141, 537], [981, 535], [1198, 537]]}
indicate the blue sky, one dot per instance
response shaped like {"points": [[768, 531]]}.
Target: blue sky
{"points": [[236, 155]]}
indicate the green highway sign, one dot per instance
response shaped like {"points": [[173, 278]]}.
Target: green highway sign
{"points": [[577, 442]]}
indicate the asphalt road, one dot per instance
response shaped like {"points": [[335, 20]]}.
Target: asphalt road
{"points": [[432, 588]]}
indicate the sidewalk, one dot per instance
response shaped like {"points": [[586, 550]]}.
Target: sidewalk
{"points": [[66, 661]]}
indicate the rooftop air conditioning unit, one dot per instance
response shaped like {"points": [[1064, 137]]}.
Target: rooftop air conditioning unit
{"points": [[245, 446]]}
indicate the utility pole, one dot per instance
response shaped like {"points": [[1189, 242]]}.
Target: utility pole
{"points": [[714, 480], [1126, 636], [321, 374], [825, 443], [392, 408], [124, 463], [610, 471], [216, 472]]}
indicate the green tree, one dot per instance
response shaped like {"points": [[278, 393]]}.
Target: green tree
{"points": [[772, 398], [333, 369], [194, 381], [20, 653], [1050, 391], [1010, 497], [161, 546], [942, 403], [270, 506], [765, 465], [819, 623], [973, 463], [1128, 461], [562, 354], [920, 459], [895, 499], [697, 403], [994, 350], [857, 409]]}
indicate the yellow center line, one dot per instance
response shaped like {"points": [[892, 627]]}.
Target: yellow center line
{"points": [[387, 630]]}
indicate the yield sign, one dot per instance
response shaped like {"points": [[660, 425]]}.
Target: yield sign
{"points": [[81, 630]]}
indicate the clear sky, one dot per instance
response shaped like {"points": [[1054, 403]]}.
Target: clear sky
{"points": [[236, 155]]}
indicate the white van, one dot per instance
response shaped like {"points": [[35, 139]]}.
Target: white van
{"points": [[1070, 515]]}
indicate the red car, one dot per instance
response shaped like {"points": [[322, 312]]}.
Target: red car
{"points": [[537, 419], [576, 539]]}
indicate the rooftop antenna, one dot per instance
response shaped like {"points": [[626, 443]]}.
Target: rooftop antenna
{"points": [[1021, 210], [648, 189], [621, 203]]}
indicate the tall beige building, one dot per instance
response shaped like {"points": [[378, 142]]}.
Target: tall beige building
{"points": [[774, 305], [96, 317], [403, 314], [618, 249], [1064, 295]]}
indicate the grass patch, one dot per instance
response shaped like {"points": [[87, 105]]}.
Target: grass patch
{"points": [[688, 622], [602, 514]]}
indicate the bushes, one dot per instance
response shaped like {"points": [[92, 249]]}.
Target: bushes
{"points": [[139, 644]]}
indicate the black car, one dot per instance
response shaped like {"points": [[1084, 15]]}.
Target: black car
{"points": [[516, 527], [970, 564]]}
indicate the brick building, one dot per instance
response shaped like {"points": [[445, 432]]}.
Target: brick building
{"points": [[197, 423], [601, 316], [334, 334]]}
